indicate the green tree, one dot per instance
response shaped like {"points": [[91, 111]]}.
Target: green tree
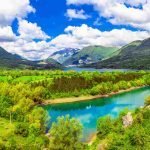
{"points": [[147, 102], [65, 134], [38, 120], [104, 126]]}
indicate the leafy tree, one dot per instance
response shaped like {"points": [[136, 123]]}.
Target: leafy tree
{"points": [[104, 126], [38, 119], [5, 104], [147, 102], [65, 134], [22, 129]]}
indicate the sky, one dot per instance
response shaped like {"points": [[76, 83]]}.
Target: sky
{"points": [[35, 29]]}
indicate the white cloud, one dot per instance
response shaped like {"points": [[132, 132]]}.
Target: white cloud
{"points": [[76, 14], [74, 37], [28, 49], [25, 45], [6, 34], [118, 13], [12, 9], [30, 31], [81, 36]]}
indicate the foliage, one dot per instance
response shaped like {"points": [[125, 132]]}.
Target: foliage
{"points": [[65, 134], [23, 123], [147, 102]]}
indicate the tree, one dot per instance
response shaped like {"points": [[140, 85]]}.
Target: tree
{"points": [[38, 120], [5, 104], [65, 134], [21, 129], [147, 102], [104, 126]]}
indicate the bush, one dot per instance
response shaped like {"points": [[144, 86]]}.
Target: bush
{"points": [[65, 134], [104, 126], [137, 136], [147, 102], [22, 129]]}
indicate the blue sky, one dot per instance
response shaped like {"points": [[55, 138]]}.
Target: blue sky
{"points": [[37, 28], [50, 15]]}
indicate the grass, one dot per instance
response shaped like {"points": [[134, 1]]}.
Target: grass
{"points": [[7, 131], [3, 78], [5, 127], [22, 78], [29, 78]]}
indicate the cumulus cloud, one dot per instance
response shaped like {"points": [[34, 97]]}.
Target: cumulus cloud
{"points": [[24, 44], [30, 31], [81, 36], [117, 12], [76, 14], [6, 34], [28, 49], [73, 37], [12, 9]]}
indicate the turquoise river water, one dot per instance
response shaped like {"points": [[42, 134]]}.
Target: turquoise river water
{"points": [[88, 112]]}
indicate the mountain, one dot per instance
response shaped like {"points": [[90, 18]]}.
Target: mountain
{"points": [[135, 55], [50, 63], [91, 54], [64, 54], [13, 61], [8, 60]]}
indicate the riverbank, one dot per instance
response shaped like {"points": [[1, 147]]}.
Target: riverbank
{"points": [[85, 98]]}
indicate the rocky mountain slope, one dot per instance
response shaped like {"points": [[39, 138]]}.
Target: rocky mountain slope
{"points": [[91, 54]]}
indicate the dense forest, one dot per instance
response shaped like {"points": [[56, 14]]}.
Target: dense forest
{"points": [[23, 123]]}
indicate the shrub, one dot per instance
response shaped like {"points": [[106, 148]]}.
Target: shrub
{"points": [[104, 126], [22, 129]]}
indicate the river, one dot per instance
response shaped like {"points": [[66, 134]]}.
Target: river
{"points": [[93, 69], [88, 112]]}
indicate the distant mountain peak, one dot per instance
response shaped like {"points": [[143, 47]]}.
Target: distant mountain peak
{"points": [[90, 54], [62, 55]]}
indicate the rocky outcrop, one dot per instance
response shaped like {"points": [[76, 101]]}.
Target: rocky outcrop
{"points": [[127, 120]]}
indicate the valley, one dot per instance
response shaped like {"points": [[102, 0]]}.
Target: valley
{"points": [[75, 75]]}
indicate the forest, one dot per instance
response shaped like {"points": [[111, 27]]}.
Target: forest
{"points": [[23, 122]]}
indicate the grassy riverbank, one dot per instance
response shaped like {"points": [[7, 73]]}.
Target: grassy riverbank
{"points": [[86, 98]]}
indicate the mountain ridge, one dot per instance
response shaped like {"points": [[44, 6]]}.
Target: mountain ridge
{"points": [[90, 54], [14, 61], [135, 55], [62, 55]]}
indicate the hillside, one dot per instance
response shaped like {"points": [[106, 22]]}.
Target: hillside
{"points": [[50, 63], [91, 54], [13, 61], [64, 54], [135, 55]]}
